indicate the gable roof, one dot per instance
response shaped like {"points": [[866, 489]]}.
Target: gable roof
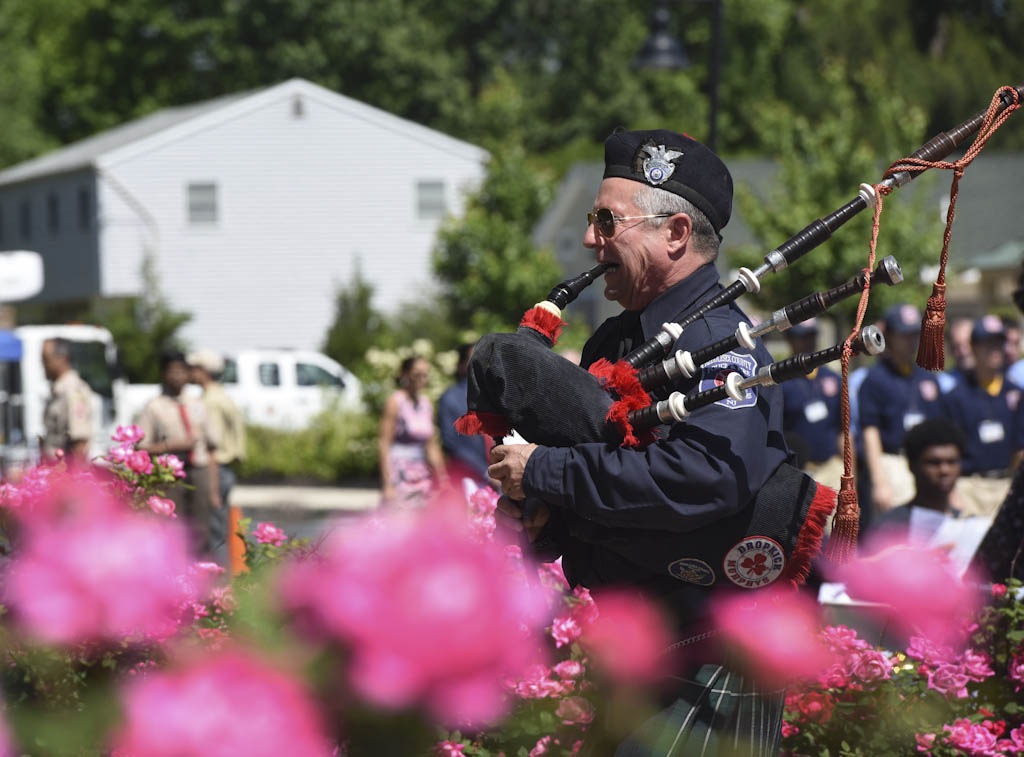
{"points": [[169, 124]]}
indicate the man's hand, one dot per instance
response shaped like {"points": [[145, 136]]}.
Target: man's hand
{"points": [[510, 515], [509, 463]]}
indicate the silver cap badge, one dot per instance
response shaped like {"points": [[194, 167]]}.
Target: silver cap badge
{"points": [[659, 167]]}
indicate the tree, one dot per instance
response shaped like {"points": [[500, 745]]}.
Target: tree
{"points": [[489, 269], [357, 326]]}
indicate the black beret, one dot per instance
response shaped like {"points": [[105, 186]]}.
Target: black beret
{"points": [[676, 163]]}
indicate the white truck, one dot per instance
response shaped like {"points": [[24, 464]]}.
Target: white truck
{"points": [[279, 388]]}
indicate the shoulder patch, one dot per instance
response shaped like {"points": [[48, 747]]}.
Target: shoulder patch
{"points": [[692, 570], [754, 562], [713, 374]]}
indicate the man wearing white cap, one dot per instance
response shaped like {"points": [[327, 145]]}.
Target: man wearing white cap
{"points": [[227, 422]]}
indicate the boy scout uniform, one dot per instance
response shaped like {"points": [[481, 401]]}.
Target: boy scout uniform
{"points": [[67, 417]]}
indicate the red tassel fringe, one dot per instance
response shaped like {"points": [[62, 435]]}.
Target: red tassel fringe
{"points": [[543, 322], [931, 352], [477, 423], [842, 545], [808, 541], [621, 378]]}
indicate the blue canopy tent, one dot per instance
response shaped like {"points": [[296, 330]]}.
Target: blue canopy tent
{"points": [[10, 347]]}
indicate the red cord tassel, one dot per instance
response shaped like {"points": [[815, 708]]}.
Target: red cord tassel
{"points": [[544, 322], [931, 352], [842, 545], [479, 423], [808, 542]]}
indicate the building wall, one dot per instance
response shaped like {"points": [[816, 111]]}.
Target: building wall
{"points": [[301, 196], [61, 227]]}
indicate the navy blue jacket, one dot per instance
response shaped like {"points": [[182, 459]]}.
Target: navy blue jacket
{"points": [[894, 402], [468, 453], [605, 498], [811, 411], [994, 426]]}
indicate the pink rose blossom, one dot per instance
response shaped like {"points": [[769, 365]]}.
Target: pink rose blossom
{"points": [[998, 591], [836, 677], [918, 590], [543, 746], [788, 729], [128, 434], [268, 533], [1017, 738], [950, 680], [173, 464], [120, 453], [569, 669], [575, 711], [816, 707], [976, 665], [100, 574], [552, 577], [565, 630], [925, 741], [161, 506], [584, 609], [227, 703], [842, 640], [930, 653], [429, 615], [776, 631], [139, 462], [449, 749], [208, 568], [1015, 671], [973, 739], [537, 683], [628, 638], [870, 666]]}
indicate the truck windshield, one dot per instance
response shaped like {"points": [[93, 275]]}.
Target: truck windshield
{"points": [[90, 360]]}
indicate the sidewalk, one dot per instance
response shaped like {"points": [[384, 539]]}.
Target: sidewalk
{"points": [[304, 497]]}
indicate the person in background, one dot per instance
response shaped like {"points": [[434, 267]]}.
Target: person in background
{"points": [[934, 449], [958, 335], [811, 409], [467, 455], [409, 448], [178, 425], [987, 409], [228, 427], [68, 415], [1014, 361], [895, 396]]}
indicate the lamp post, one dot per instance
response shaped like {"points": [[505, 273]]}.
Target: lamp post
{"points": [[663, 51]]}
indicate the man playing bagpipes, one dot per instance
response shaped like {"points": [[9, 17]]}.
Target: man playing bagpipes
{"points": [[624, 515]]}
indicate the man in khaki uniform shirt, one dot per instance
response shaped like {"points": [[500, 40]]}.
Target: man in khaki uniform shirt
{"points": [[178, 425], [68, 416], [228, 426]]}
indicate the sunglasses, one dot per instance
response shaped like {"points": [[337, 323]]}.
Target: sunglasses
{"points": [[605, 220]]}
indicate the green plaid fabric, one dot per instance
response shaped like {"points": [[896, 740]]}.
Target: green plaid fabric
{"points": [[717, 713]]}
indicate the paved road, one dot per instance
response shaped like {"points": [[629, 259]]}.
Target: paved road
{"points": [[303, 511]]}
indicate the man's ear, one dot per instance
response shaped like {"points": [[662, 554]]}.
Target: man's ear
{"points": [[679, 229]]}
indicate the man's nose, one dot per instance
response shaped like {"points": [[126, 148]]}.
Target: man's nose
{"points": [[590, 237]]}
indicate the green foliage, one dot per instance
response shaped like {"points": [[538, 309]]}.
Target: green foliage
{"points": [[486, 261], [383, 366], [357, 326]]}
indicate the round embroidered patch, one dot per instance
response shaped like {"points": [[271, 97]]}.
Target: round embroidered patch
{"points": [[754, 562], [693, 571]]}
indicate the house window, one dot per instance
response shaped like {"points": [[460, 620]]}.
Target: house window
{"points": [[202, 203], [430, 200], [26, 219], [53, 213], [270, 374], [84, 208], [230, 374]]}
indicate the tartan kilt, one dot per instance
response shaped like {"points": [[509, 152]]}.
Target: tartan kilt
{"points": [[716, 713]]}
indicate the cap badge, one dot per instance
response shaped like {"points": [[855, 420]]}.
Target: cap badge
{"points": [[659, 167]]}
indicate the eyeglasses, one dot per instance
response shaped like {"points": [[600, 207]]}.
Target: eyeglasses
{"points": [[605, 220]]}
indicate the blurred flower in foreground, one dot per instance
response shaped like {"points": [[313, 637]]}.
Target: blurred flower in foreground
{"points": [[432, 617], [776, 631], [917, 590], [628, 638], [225, 705], [90, 569]]}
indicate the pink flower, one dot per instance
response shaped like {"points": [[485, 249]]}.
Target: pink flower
{"points": [[575, 711], [161, 506], [569, 669], [565, 630], [929, 652], [918, 590], [120, 453], [552, 577], [1017, 738], [776, 631], [429, 615], [268, 533], [536, 683], [870, 666], [128, 434], [584, 608], [998, 591], [449, 749], [976, 665], [1015, 671], [173, 464], [842, 640], [100, 574], [208, 568], [226, 703], [925, 741], [950, 680], [971, 738], [788, 729], [628, 638], [816, 707], [541, 747], [836, 677], [139, 462]]}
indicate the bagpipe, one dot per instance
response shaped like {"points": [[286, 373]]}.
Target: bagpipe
{"points": [[517, 381]]}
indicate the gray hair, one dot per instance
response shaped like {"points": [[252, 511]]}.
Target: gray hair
{"points": [[652, 201]]}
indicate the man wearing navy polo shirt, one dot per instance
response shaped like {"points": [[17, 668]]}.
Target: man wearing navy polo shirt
{"points": [[987, 409], [896, 395], [811, 408]]}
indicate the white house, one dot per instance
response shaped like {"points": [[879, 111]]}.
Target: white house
{"points": [[254, 208]]}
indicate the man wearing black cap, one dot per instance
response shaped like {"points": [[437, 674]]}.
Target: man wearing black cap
{"points": [[657, 219], [811, 408], [895, 396]]}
